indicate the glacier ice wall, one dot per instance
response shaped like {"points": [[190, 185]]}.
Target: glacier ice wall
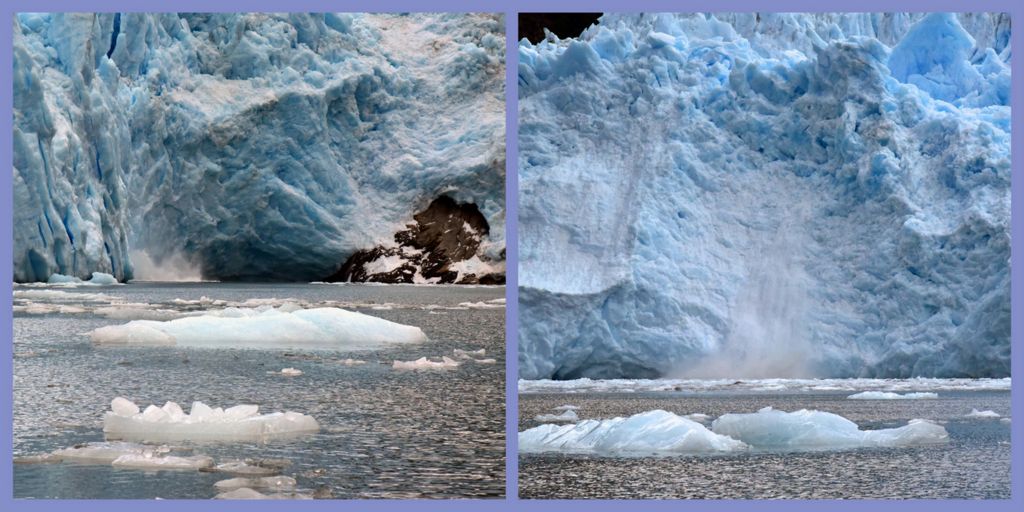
{"points": [[766, 195], [258, 145]]}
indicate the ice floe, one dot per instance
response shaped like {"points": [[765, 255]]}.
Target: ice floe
{"points": [[283, 483], [424, 363], [565, 416], [817, 430], [760, 385], [651, 432], [264, 328], [245, 493], [203, 423], [291, 372], [982, 414], [887, 395], [151, 462]]}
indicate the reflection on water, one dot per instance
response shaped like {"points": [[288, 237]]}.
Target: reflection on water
{"points": [[384, 433], [975, 464]]}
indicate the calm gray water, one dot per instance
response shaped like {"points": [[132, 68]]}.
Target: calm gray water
{"points": [[975, 464], [384, 433]]}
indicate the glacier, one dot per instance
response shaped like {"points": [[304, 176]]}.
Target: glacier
{"points": [[251, 146], [766, 195]]}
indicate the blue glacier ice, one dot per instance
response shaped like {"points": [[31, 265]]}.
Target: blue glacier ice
{"points": [[267, 146], [766, 195]]}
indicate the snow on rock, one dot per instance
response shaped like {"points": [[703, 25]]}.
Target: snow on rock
{"points": [[884, 395], [446, 363], [170, 422], [652, 432], [766, 195], [271, 145], [566, 415], [982, 414], [816, 430], [264, 327]]}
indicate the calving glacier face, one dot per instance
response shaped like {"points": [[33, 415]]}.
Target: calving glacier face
{"points": [[256, 145], [773, 195]]}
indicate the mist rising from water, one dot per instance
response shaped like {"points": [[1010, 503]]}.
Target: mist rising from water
{"points": [[169, 268]]}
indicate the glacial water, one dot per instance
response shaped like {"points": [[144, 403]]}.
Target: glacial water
{"points": [[974, 464], [384, 433]]}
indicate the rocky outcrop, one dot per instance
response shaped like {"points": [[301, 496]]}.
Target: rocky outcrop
{"points": [[441, 245]]}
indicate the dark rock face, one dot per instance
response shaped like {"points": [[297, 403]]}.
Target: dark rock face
{"points": [[563, 25], [429, 250]]}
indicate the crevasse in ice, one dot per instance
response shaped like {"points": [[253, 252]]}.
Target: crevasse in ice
{"points": [[257, 145], [766, 195]]}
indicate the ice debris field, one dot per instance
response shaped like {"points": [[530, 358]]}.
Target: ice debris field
{"points": [[766, 195], [661, 432], [250, 145]]}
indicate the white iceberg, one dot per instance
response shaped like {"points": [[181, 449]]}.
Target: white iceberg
{"points": [[98, 279], [567, 415], [238, 423], [291, 372], [982, 414], [245, 493], [284, 483], [886, 395], [652, 432], [264, 328], [149, 461], [814, 430], [426, 364]]}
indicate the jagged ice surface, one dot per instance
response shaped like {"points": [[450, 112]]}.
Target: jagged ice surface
{"points": [[255, 145], [770, 195]]}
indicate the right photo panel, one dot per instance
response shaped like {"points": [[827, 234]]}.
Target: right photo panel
{"points": [[764, 255]]}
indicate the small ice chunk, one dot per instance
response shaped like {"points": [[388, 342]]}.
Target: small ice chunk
{"points": [[484, 361], [123, 407], [151, 462], [566, 416], [982, 414], [291, 372], [885, 395], [106, 452], [651, 432], [469, 354], [701, 417], [352, 362], [1005, 420], [100, 278], [426, 364], [284, 483], [244, 468], [816, 430]]}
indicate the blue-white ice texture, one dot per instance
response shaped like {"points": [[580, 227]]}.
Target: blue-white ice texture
{"points": [[766, 195], [256, 145]]}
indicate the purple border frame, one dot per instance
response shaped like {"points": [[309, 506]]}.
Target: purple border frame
{"points": [[510, 8]]}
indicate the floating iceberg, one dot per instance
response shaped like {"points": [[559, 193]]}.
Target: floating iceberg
{"points": [[885, 395], [284, 483], [171, 423], [107, 452], [423, 363], [291, 372], [817, 430], [566, 415], [766, 194], [469, 354], [149, 462], [264, 328], [245, 493], [98, 279], [652, 432], [982, 414]]}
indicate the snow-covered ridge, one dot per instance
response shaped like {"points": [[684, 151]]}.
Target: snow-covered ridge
{"points": [[766, 195], [258, 145]]}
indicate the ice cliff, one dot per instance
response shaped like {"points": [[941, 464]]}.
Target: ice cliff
{"points": [[266, 146], [766, 195]]}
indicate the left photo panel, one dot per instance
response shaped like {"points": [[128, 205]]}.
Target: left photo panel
{"points": [[259, 255]]}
